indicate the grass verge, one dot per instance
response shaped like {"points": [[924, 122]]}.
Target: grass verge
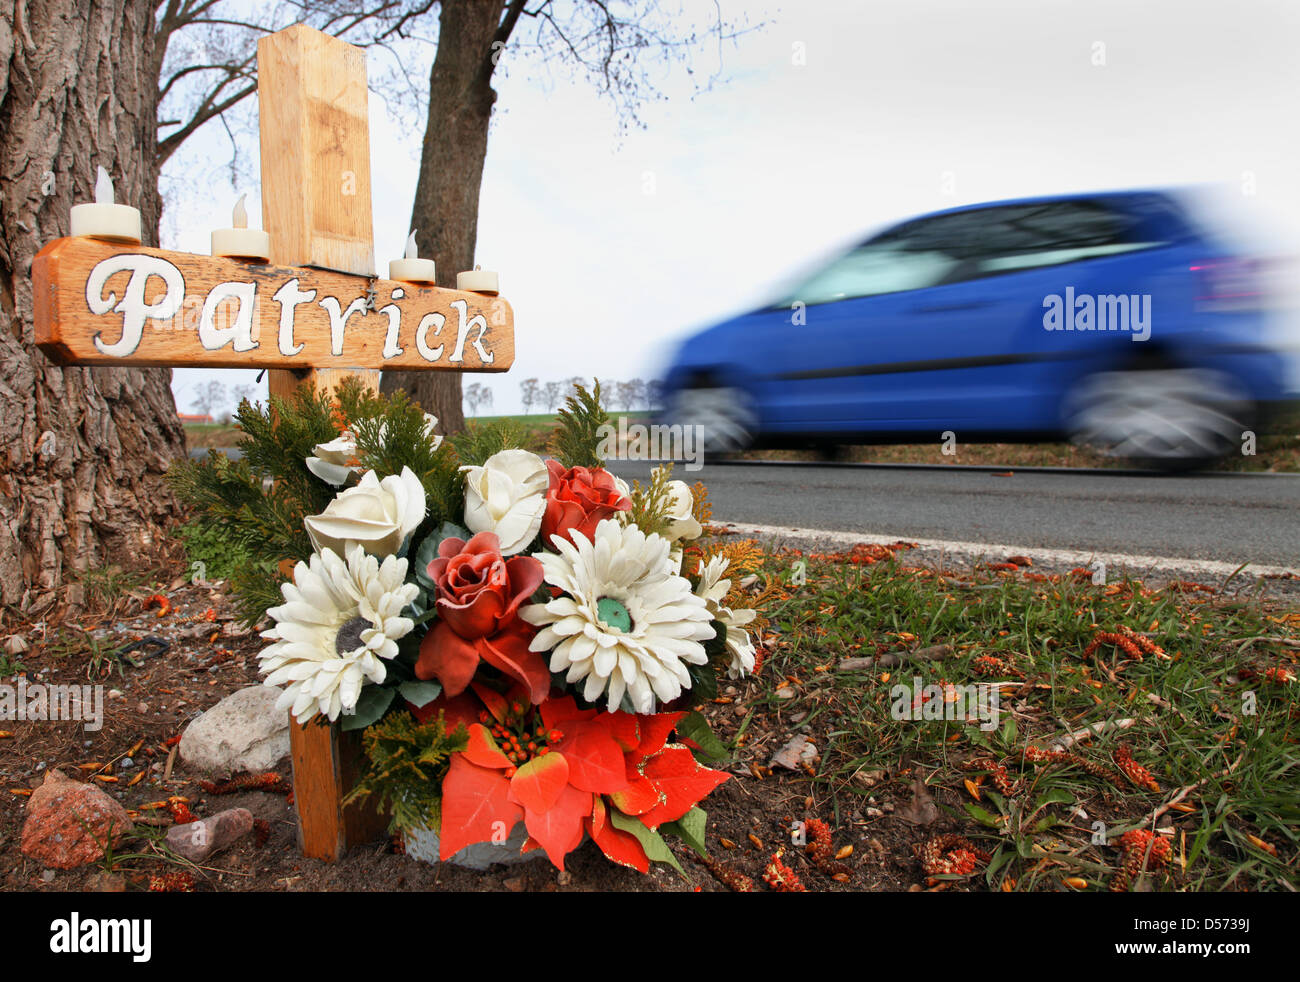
{"points": [[1205, 702]]}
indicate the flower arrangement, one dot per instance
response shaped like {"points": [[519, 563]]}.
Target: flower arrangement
{"points": [[521, 640]]}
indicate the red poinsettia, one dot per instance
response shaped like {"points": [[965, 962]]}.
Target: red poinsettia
{"points": [[564, 771], [479, 595], [579, 498]]}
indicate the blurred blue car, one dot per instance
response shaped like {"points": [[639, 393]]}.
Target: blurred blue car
{"points": [[1114, 319]]}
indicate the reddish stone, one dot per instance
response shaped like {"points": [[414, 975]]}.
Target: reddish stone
{"points": [[69, 823], [196, 841]]}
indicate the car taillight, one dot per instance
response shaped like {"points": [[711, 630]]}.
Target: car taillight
{"points": [[1227, 284]]}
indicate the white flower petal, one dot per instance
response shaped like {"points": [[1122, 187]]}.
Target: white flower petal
{"points": [[668, 622]]}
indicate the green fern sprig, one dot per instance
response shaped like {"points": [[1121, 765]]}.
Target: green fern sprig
{"points": [[650, 503], [405, 763], [577, 436]]}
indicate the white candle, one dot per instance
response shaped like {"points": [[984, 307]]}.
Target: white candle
{"points": [[479, 280], [411, 267], [103, 219], [241, 242]]}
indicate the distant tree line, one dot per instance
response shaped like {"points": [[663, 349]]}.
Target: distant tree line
{"points": [[211, 397], [546, 397], [537, 396]]}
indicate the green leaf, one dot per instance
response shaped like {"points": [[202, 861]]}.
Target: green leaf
{"points": [[716, 646], [704, 682], [652, 842], [1056, 796], [371, 705], [1001, 858], [986, 818], [420, 694], [690, 829], [1008, 734], [694, 727]]}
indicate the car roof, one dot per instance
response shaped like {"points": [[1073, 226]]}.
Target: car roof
{"points": [[1169, 195]]}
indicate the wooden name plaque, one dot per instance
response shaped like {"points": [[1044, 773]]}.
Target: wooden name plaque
{"points": [[102, 303]]}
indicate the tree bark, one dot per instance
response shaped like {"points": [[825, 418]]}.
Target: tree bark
{"points": [[82, 451], [445, 214]]}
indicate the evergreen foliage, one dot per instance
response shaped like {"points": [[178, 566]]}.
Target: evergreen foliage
{"points": [[258, 504], [577, 433], [405, 763]]}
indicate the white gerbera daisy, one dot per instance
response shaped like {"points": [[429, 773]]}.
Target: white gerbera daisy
{"points": [[627, 625], [713, 588], [339, 623]]}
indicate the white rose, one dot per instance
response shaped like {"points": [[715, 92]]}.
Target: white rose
{"points": [[331, 461], [431, 421], [681, 521], [507, 495], [376, 515]]}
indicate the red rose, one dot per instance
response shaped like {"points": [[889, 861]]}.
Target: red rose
{"points": [[579, 499], [479, 595]]}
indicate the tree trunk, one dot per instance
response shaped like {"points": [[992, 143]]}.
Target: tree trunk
{"points": [[82, 451], [451, 169]]}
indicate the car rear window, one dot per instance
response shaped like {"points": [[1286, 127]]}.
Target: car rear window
{"points": [[1002, 239]]}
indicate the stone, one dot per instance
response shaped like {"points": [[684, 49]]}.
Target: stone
{"points": [[196, 841], [243, 732], [794, 754], [856, 664], [69, 824], [422, 844]]}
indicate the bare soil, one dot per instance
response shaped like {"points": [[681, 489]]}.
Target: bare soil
{"points": [[750, 817]]}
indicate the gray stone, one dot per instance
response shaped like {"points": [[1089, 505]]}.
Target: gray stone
{"points": [[243, 732], [422, 844]]}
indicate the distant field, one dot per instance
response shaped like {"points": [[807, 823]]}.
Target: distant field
{"points": [[538, 427], [1276, 452]]}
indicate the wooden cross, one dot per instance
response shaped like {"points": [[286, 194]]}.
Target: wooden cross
{"points": [[316, 312]]}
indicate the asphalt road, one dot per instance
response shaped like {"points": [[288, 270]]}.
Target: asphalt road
{"points": [[1226, 517]]}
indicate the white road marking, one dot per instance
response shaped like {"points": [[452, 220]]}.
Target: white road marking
{"points": [[980, 550]]}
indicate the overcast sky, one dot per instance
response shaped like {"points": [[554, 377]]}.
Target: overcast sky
{"points": [[837, 117]]}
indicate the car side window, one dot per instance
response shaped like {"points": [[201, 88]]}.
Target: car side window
{"points": [[871, 270]]}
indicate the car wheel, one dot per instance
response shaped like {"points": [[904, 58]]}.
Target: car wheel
{"points": [[725, 416], [1169, 418]]}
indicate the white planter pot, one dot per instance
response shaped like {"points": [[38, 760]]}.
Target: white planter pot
{"points": [[422, 844]]}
